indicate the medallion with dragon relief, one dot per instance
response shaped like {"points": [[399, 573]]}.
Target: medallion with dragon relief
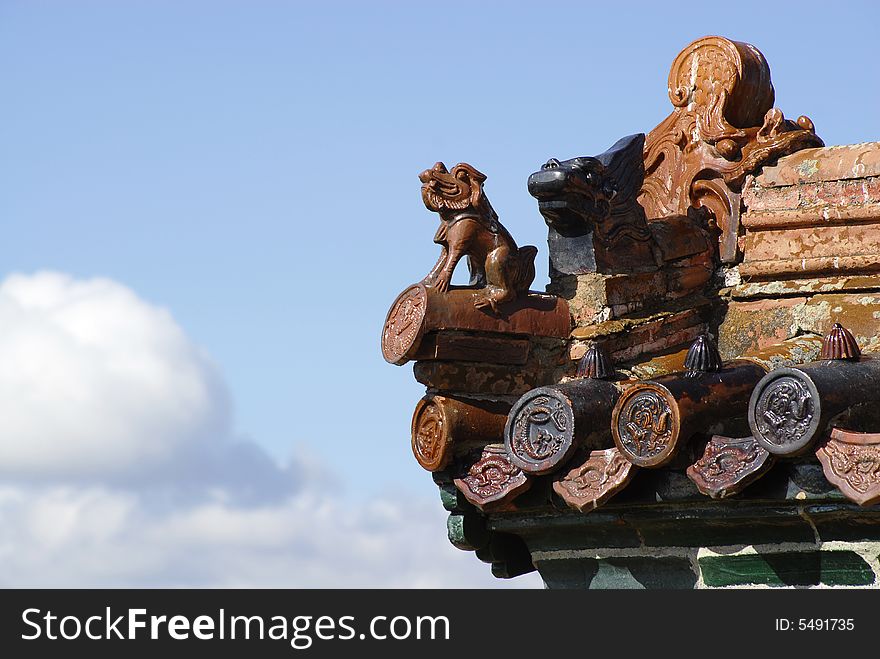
{"points": [[644, 425], [783, 412], [538, 435]]}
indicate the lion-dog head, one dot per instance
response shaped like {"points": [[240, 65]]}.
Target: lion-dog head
{"points": [[453, 192]]}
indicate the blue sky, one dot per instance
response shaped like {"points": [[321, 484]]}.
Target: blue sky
{"points": [[251, 167]]}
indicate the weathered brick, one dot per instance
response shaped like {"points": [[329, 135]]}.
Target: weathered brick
{"points": [[859, 312], [798, 244], [475, 377], [787, 197], [683, 337], [811, 216], [872, 189], [809, 286], [750, 326], [832, 193], [625, 341], [595, 298], [660, 365], [830, 163]]}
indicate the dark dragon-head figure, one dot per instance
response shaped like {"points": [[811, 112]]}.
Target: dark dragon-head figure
{"points": [[577, 196]]}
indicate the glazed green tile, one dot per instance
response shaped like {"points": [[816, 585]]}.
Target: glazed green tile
{"points": [[851, 525], [614, 575], [706, 532], [833, 568], [449, 498], [467, 532], [846, 568], [634, 572]]}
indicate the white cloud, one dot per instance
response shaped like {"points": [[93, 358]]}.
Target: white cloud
{"points": [[96, 537], [95, 381], [119, 467]]}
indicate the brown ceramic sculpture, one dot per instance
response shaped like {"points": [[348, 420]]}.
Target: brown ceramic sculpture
{"points": [[441, 422], [723, 127], [665, 237], [641, 204], [469, 227], [590, 484], [597, 223]]}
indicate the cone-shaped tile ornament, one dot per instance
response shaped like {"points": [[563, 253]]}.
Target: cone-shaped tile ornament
{"points": [[840, 344], [702, 356], [595, 364]]}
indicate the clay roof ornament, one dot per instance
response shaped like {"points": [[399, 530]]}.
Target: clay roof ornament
{"points": [[653, 420], [469, 227], [595, 364], [548, 425], [492, 481], [851, 461], [729, 465], [791, 408], [840, 344], [592, 483], [644, 202], [439, 423], [644, 226], [702, 357]]}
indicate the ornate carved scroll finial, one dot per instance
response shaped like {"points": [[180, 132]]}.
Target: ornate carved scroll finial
{"points": [[469, 227], [840, 344], [589, 485], [723, 127], [702, 357], [595, 364], [602, 210], [851, 461], [729, 465], [493, 480]]}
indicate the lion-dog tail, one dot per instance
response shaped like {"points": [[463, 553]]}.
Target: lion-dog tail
{"points": [[524, 268]]}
